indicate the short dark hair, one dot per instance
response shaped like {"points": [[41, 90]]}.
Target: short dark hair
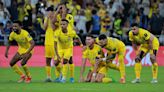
{"points": [[51, 8], [94, 12], [18, 22], [134, 24], [1, 24], [90, 35], [1, 3], [102, 37], [65, 20]]}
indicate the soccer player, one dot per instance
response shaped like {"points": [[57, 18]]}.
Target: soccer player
{"points": [[92, 52], [148, 44], [62, 14], [49, 27], [64, 47], [24, 53], [114, 47]]}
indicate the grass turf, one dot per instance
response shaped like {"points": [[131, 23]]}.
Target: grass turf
{"points": [[8, 82]]}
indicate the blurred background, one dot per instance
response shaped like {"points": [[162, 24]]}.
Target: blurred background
{"points": [[110, 17]]}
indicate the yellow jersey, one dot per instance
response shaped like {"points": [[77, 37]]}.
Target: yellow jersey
{"points": [[49, 35], [64, 40], [91, 54], [113, 45], [70, 19], [88, 14], [142, 37], [23, 40]]}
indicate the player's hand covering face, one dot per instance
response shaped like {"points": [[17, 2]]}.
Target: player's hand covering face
{"points": [[89, 41]]}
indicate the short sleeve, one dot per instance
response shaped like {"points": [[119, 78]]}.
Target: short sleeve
{"points": [[45, 19], [146, 35], [84, 54], [130, 36], [71, 20], [28, 36], [100, 52], [97, 40], [11, 36]]}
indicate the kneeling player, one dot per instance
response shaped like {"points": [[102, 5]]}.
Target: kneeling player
{"points": [[114, 47], [90, 52]]}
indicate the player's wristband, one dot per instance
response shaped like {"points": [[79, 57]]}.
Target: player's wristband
{"points": [[94, 74]]}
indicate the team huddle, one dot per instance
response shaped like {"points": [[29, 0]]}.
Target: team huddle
{"points": [[59, 38]]}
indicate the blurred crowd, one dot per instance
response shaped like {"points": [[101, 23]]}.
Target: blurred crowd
{"points": [[110, 17]]}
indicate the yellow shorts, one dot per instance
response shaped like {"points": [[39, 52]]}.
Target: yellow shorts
{"points": [[23, 50], [65, 53], [49, 51], [144, 47], [103, 70]]}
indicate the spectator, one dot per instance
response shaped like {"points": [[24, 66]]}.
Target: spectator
{"points": [[14, 10], [21, 12], [8, 27], [95, 26], [7, 3], [161, 37], [161, 8], [40, 7], [156, 23], [102, 11], [110, 9], [81, 20], [3, 36], [1, 29], [88, 14], [143, 19], [127, 6], [106, 25], [117, 24], [4, 14]]}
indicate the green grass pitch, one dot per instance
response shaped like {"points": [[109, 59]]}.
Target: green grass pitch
{"points": [[8, 82]]}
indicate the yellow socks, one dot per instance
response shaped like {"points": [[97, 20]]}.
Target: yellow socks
{"points": [[64, 70], [121, 66], [71, 68], [137, 68], [26, 71], [155, 70], [17, 70], [58, 70], [106, 80], [48, 71]]}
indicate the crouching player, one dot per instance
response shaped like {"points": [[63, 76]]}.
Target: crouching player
{"points": [[148, 44], [91, 52], [114, 47], [24, 53]]}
